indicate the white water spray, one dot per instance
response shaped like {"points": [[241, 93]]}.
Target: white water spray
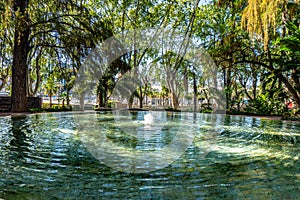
{"points": [[148, 119]]}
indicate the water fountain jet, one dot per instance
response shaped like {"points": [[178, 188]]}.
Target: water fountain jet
{"points": [[148, 119]]}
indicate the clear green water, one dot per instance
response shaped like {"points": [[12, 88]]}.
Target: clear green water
{"points": [[43, 157]]}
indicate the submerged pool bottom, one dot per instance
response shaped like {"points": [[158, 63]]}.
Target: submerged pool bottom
{"points": [[43, 157]]}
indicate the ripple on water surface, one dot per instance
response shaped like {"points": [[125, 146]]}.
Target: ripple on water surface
{"points": [[42, 157]]}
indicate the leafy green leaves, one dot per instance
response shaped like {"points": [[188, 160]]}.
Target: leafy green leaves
{"points": [[291, 43]]}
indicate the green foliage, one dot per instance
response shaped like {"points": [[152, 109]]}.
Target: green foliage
{"points": [[265, 104], [206, 111], [62, 33], [291, 43], [206, 108], [53, 108]]}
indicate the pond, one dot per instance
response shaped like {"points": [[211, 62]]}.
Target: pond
{"points": [[56, 156]]}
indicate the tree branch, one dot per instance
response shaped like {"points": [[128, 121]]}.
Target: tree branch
{"points": [[51, 20]]}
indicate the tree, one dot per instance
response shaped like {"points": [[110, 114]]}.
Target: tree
{"points": [[223, 39], [174, 63], [20, 52], [164, 93], [259, 17], [134, 17], [50, 88], [38, 27]]}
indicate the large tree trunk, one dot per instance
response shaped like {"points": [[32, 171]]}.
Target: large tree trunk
{"points": [[175, 101], [20, 52]]}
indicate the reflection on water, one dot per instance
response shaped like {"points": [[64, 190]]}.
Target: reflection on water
{"points": [[42, 157], [18, 143]]}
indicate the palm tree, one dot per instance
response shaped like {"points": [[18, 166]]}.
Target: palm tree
{"points": [[50, 88]]}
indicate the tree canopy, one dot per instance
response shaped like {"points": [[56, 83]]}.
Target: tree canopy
{"points": [[254, 44]]}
